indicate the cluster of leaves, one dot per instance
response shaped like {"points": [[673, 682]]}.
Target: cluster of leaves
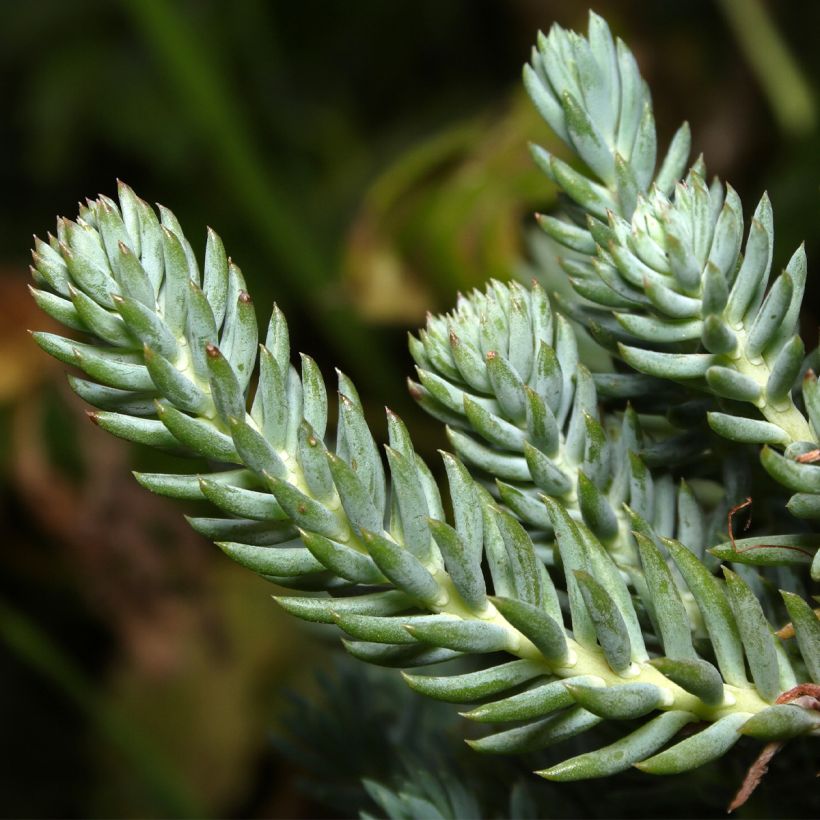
{"points": [[574, 564]]}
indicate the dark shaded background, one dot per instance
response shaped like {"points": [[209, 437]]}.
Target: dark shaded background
{"points": [[362, 161]]}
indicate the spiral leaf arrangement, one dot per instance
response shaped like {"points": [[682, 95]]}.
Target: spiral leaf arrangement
{"points": [[664, 276], [578, 582]]}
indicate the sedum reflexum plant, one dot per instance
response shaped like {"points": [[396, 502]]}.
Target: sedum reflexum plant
{"points": [[578, 571]]}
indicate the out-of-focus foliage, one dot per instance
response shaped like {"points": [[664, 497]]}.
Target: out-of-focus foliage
{"points": [[454, 204]]}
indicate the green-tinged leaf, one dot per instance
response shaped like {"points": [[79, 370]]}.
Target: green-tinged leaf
{"points": [[587, 139], [548, 379], [272, 399], [508, 388], [544, 101], [715, 292], [314, 396], [280, 560], [674, 163], [115, 368], [669, 302], [493, 428], [255, 450], [525, 504], [667, 365], [716, 612], [656, 330], [797, 477], [470, 363], [187, 487], [747, 431], [225, 388], [770, 316], [362, 453], [466, 506], [505, 467], [584, 404], [495, 549], [356, 500], [398, 435], [87, 263], [644, 149], [62, 310], [169, 221], [174, 294], [597, 454], [200, 331], [806, 630], [538, 735], [537, 702], [459, 635], [546, 474], [243, 530], [542, 427], [670, 613], [342, 560], [151, 257], [259, 506], [51, 267], [805, 505], [625, 701], [782, 721], [464, 570], [704, 747], [112, 371], [770, 550], [535, 624], [147, 326], [376, 629], [785, 370], [312, 458], [199, 435], [393, 805], [431, 491], [717, 337], [589, 195], [307, 513], [622, 754], [574, 558], [412, 504], [323, 609], [215, 276], [732, 385], [608, 574], [240, 334], [405, 570], [277, 339], [566, 234], [628, 185], [474, 686], [398, 656], [596, 510], [103, 323], [728, 236], [139, 430], [610, 628], [174, 385], [522, 559], [694, 675], [811, 396], [756, 262]]}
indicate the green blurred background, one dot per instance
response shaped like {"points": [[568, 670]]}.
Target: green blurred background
{"points": [[362, 161]]}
